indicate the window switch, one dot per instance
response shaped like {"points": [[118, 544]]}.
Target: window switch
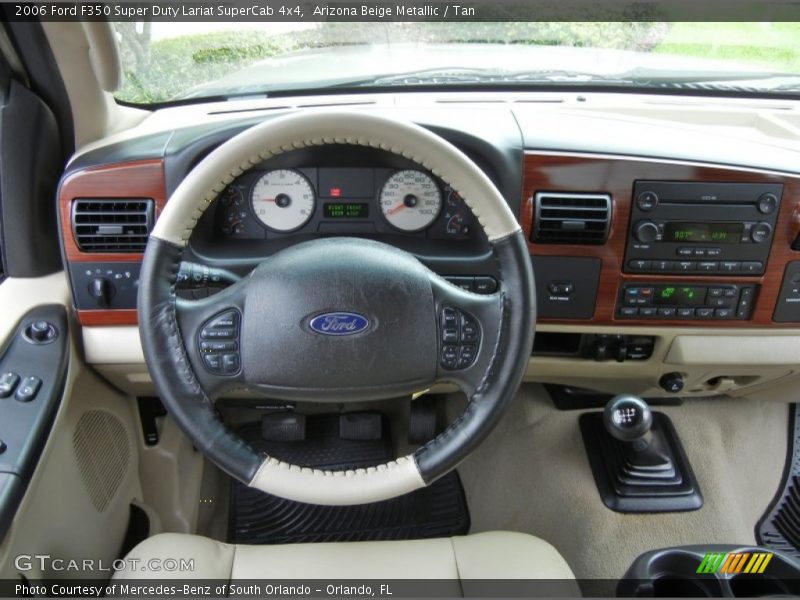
{"points": [[28, 389], [8, 382]]}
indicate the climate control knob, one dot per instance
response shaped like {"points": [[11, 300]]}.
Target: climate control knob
{"points": [[645, 231]]}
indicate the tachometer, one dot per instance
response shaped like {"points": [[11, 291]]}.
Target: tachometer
{"points": [[283, 199], [410, 200]]}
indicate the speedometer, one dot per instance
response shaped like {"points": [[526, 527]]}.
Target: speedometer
{"points": [[283, 199], [410, 200]]}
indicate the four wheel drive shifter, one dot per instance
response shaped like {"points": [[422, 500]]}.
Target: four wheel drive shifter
{"points": [[637, 460]]}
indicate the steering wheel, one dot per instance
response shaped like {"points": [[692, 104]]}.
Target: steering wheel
{"points": [[336, 319]]}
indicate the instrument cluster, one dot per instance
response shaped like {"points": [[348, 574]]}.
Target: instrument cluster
{"points": [[268, 204]]}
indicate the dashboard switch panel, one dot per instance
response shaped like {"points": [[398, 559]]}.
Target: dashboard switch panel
{"points": [[787, 309], [104, 285], [566, 287], [460, 338], [219, 343]]}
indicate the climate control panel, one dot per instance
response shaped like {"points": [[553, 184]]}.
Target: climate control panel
{"points": [[682, 301]]}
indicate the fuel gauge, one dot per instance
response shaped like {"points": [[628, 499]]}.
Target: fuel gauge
{"points": [[234, 216], [457, 216]]}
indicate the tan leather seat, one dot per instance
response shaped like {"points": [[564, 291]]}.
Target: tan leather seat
{"points": [[490, 555]]}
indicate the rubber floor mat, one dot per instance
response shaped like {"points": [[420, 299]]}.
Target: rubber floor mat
{"points": [[439, 510], [779, 528]]}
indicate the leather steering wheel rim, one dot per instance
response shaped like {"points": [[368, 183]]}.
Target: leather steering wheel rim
{"points": [[183, 386]]}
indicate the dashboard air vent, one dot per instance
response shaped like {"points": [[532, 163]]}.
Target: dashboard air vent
{"points": [[112, 225], [567, 218]]}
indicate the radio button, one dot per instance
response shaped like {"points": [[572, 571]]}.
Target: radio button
{"points": [[646, 232], [639, 265], [760, 232], [663, 265], [685, 251], [684, 266], [708, 266], [767, 203], [713, 252], [705, 313], [752, 267], [698, 252], [731, 266], [647, 201]]}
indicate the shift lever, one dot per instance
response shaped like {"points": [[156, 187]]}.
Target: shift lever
{"points": [[629, 419]]}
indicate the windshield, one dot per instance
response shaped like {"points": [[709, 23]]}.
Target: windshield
{"points": [[165, 62]]}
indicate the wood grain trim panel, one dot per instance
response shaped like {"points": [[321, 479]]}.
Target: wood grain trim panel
{"points": [[139, 179], [615, 175]]}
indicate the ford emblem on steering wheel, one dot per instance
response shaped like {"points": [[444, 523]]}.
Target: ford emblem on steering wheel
{"points": [[339, 323]]}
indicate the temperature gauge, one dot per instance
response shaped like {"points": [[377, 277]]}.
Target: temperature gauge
{"points": [[457, 216], [234, 211]]}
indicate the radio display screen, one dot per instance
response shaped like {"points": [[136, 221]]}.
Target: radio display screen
{"points": [[675, 295], [346, 210], [703, 233]]}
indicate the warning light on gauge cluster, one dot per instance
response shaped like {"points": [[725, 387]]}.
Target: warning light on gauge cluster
{"points": [[335, 192]]}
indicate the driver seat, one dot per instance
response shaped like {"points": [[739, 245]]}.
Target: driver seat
{"points": [[489, 555]]}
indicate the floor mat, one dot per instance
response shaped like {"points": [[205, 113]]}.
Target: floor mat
{"points": [[780, 527], [439, 510]]}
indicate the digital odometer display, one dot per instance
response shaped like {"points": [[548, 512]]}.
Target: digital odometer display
{"points": [[676, 295], [703, 233], [346, 210]]}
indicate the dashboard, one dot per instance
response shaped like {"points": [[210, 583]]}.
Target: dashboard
{"points": [[642, 245]]}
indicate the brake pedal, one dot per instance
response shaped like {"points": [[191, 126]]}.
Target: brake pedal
{"points": [[283, 427], [423, 420], [363, 426]]}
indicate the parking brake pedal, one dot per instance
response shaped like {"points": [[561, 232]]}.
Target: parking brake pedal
{"points": [[283, 427], [361, 426]]}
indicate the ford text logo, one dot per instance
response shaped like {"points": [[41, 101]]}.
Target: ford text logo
{"points": [[339, 323]]}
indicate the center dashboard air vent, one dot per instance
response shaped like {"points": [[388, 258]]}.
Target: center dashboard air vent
{"points": [[113, 224], [570, 218]]}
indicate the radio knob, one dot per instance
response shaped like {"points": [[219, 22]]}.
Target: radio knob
{"points": [[646, 231], [760, 232], [767, 203]]}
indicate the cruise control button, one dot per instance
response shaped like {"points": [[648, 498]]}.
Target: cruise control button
{"points": [[225, 321], [213, 362], [217, 346], [28, 389], [8, 382], [230, 363], [216, 334]]}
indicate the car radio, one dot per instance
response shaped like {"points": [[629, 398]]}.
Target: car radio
{"points": [[701, 228]]}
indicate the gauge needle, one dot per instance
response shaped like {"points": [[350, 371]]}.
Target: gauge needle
{"points": [[396, 208], [267, 200]]}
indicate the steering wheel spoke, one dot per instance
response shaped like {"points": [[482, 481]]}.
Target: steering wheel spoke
{"points": [[212, 332], [467, 329]]}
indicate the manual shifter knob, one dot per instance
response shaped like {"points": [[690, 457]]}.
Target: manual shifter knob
{"points": [[628, 418]]}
